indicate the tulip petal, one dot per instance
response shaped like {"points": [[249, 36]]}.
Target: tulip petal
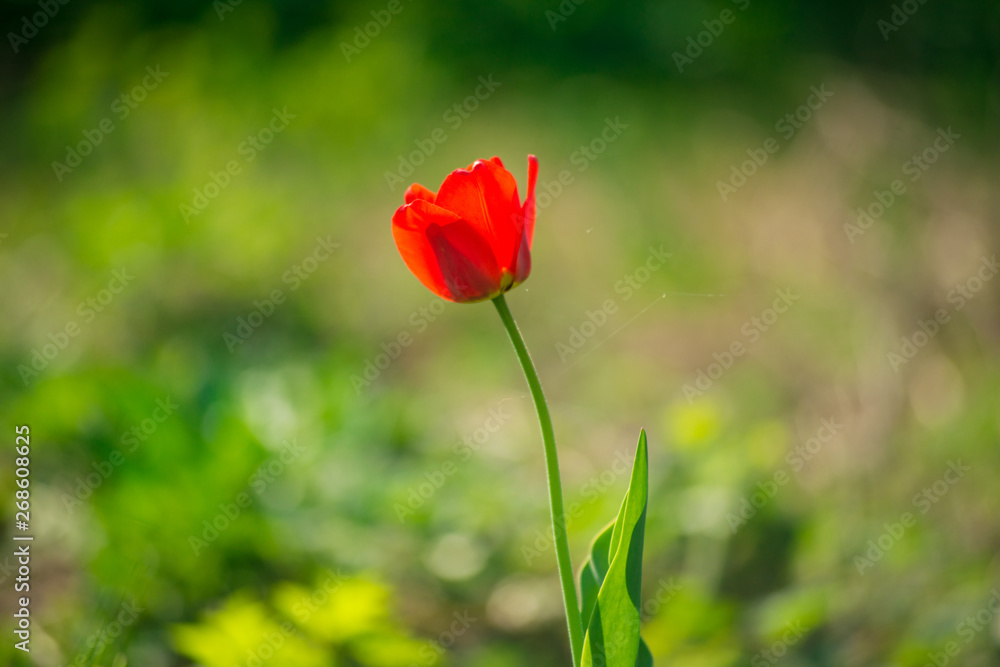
{"points": [[417, 191], [523, 267], [409, 225], [529, 200], [495, 160], [486, 197], [466, 260], [445, 252]]}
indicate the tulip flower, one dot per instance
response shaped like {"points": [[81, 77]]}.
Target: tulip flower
{"points": [[471, 240]]}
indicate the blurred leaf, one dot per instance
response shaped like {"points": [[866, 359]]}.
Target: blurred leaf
{"points": [[395, 650], [692, 426], [243, 630], [357, 607]]}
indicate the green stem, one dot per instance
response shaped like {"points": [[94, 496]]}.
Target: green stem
{"points": [[555, 484]]}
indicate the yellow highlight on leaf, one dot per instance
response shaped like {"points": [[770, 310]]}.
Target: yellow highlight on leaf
{"points": [[243, 632], [354, 608]]}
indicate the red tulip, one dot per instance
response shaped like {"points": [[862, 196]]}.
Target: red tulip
{"points": [[471, 240]]}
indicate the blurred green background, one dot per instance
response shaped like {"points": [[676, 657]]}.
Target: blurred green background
{"points": [[234, 461]]}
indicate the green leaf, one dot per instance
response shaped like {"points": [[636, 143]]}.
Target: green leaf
{"points": [[645, 658], [611, 616], [593, 573]]}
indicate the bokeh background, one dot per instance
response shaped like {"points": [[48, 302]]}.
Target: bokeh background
{"points": [[258, 440]]}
